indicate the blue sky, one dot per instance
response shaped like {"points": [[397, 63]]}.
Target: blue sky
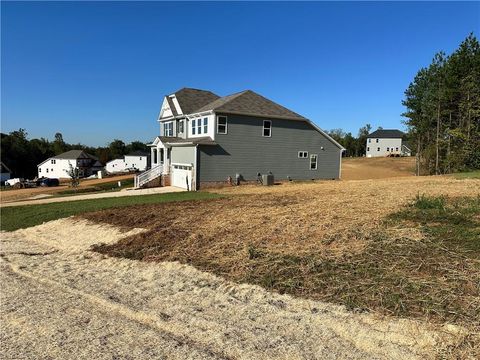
{"points": [[98, 71]]}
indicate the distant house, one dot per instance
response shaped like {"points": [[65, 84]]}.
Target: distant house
{"points": [[206, 139], [137, 160], [387, 143], [59, 165], [5, 172]]}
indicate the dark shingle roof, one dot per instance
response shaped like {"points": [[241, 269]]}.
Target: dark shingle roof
{"points": [[172, 106], [138, 153], [75, 154], [386, 134], [191, 100], [250, 103], [204, 140]]}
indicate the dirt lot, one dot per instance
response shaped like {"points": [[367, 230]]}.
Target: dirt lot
{"points": [[326, 241], [61, 301], [377, 168], [22, 194]]}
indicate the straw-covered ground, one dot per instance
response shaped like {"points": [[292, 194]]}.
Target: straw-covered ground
{"points": [[59, 300], [405, 247]]}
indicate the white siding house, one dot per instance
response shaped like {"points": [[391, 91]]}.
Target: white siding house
{"points": [[58, 166], [383, 143], [137, 160]]}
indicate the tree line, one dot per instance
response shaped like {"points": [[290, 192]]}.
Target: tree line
{"points": [[22, 155], [443, 111], [354, 145]]}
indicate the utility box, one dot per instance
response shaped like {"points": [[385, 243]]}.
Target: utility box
{"points": [[267, 180]]}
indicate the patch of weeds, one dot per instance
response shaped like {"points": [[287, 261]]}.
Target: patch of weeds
{"points": [[425, 202]]}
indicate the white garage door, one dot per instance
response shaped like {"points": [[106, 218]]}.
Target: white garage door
{"points": [[182, 176]]}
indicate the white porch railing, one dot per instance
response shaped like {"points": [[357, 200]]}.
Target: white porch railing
{"points": [[146, 176]]}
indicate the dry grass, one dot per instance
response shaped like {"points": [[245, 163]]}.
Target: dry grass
{"points": [[377, 168], [323, 240]]}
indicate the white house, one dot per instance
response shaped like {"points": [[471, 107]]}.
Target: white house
{"points": [[59, 165], [386, 143], [5, 172], [137, 160]]}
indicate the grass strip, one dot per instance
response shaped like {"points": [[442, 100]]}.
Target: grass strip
{"points": [[19, 217]]}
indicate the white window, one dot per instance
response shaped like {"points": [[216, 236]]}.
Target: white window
{"points": [[39, 170], [368, 149], [199, 126], [303, 154], [168, 129], [388, 149], [47, 170], [313, 162], [267, 128], [221, 124], [378, 149], [193, 127], [396, 149], [180, 127], [205, 125], [53, 161], [377, 140]]}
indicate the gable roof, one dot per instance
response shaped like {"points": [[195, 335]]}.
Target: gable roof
{"points": [[75, 154], [250, 103], [138, 153], [191, 99], [386, 134]]}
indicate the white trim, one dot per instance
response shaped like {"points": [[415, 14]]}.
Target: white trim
{"points": [[325, 134], [182, 164], [194, 172], [226, 124], [316, 162], [340, 165], [176, 104], [270, 128]]}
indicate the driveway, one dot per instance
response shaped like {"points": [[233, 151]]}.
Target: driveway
{"points": [[124, 192], [61, 301]]}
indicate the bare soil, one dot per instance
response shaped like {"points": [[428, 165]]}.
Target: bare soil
{"points": [[61, 301], [323, 240], [22, 194], [377, 168]]}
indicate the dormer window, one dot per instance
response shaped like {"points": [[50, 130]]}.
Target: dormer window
{"points": [[205, 125], [180, 127], [193, 126], [168, 129], [199, 126]]}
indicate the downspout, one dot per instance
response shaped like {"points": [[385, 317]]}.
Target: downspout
{"points": [[340, 165], [195, 177]]}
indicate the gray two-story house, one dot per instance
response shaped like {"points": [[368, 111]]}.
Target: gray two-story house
{"points": [[206, 139]]}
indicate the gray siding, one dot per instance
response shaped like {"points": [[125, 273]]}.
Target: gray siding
{"points": [[183, 155], [245, 151]]}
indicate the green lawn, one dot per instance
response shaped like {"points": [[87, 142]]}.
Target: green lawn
{"points": [[19, 217], [468, 175]]}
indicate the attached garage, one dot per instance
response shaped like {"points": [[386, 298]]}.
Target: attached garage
{"points": [[182, 176]]}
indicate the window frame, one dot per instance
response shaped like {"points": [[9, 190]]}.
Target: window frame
{"points": [[316, 161], [205, 125], [226, 125], [301, 153], [199, 126], [269, 128], [194, 127], [181, 127], [378, 149], [53, 161], [368, 148], [168, 129]]}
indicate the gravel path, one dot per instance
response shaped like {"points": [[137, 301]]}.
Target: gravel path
{"points": [[61, 301]]}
